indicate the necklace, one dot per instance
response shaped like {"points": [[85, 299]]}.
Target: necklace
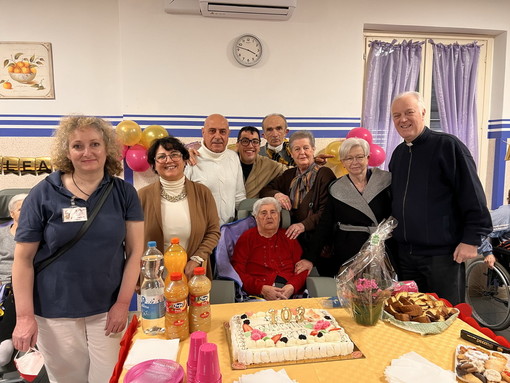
{"points": [[177, 198], [75, 184]]}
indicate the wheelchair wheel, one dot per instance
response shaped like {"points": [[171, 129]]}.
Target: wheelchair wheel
{"points": [[488, 293]]}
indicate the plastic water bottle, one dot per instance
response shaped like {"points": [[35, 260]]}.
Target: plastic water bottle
{"points": [[199, 306], [176, 317], [152, 291], [175, 260]]}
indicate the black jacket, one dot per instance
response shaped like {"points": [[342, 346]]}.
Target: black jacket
{"points": [[438, 199]]}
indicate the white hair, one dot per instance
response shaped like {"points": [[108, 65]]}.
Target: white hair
{"points": [[266, 201], [16, 198], [352, 142], [417, 96]]}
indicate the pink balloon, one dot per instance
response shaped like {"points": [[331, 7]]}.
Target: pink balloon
{"points": [[124, 150], [360, 133], [377, 155], [136, 158]]}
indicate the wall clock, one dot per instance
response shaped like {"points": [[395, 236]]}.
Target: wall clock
{"points": [[247, 50]]}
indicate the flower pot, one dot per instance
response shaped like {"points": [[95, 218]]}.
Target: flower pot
{"points": [[366, 314]]}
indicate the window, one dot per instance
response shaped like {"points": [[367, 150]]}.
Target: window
{"points": [[426, 86]]}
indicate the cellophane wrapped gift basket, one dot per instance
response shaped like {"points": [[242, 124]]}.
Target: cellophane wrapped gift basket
{"points": [[366, 280]]}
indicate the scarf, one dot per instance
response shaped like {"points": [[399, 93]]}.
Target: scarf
{"points": [[301, 184], [275, 155]]}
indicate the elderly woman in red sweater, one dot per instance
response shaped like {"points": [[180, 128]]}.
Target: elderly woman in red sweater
{"points": [[265, 258]]}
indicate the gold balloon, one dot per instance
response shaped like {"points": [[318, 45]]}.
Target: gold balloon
{"points": [[27, 166], [339, 170], [10, 165], [151, 133], [129, 132], [333, 149], [43, 165]]}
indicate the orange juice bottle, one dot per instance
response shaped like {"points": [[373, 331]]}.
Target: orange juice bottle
{"points": [[199, 306], [175, 260], [176, 315]]}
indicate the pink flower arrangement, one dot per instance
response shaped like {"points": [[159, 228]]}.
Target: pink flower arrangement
{"points": [[366, 300], [364, 284]]}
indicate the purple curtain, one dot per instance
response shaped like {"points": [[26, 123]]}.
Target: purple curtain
{"points": [[455, 75], [392, 68]]}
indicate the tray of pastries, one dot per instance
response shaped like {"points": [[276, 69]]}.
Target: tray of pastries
{"points": [[477, 365], [419, 312]]}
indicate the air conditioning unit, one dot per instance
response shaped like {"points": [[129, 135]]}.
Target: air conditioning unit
{"points": [[241, 9]]}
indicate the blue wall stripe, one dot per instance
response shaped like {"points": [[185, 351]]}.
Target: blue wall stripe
{"points": [[498, 179], [14, 125]]}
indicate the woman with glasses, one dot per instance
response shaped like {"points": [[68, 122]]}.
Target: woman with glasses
{"points": [[174, 206], [303, 190], [357, 203]]}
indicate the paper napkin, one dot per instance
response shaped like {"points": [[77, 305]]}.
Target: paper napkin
{"points": [[266, 376], [147, 349], [413, 368]]}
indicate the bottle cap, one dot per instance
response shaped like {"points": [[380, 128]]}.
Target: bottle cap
{"points": [[174, 240], [199, 270], [175, 276], [151, 244]]}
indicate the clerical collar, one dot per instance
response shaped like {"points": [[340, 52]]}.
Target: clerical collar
{"points": [[277, 148]]}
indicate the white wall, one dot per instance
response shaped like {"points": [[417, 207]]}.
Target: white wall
{"points": [[116, 57]]}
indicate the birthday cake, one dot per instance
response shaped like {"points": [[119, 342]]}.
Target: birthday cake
{"points": [[287, 335]]}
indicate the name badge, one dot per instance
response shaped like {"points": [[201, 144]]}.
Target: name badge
{"points": [[74, 214]]}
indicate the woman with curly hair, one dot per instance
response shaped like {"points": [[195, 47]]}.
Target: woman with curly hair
{"points": [[76, 308]]}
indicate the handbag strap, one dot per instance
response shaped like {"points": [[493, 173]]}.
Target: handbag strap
{"points": [[83, 229]]}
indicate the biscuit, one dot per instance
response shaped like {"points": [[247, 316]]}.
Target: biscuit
{"points": [[495, 364], [472, 379]]}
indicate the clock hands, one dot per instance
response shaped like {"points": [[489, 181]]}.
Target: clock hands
{"points": [[246, 49]]}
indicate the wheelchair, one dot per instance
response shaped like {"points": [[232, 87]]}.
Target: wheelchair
{"points": [[488, 290]]}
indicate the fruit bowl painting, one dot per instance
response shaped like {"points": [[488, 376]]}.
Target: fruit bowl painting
{"points": [[26, 70], [23, 78]]}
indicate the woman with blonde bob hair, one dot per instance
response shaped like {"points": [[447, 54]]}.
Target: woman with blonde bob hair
{"points": [[76, 307], [357, 203]]}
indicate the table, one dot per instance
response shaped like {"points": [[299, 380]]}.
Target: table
{"points": [[380, 344]]}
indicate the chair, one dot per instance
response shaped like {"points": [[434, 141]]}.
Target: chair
{"points": [[230, 233], [222, 291], [318, 286], [225, 276], [245, 209]]}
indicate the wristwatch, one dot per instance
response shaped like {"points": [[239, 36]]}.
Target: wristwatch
{"points": [[197, 259]]}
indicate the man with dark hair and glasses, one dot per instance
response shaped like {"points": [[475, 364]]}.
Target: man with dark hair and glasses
{"points": [[258, 171]]}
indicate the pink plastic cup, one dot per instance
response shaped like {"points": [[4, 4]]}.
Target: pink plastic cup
{"points": [[208, 366], [197, 339]]}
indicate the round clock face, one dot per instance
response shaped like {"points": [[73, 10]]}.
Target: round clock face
{"points": [[247, 50]]}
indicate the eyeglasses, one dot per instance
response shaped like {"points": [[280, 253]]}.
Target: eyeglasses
{"points": [[351, 159], [246, 141], [174, 156]]}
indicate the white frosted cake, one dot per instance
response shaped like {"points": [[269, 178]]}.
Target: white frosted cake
{"points": [[291, 335]]}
